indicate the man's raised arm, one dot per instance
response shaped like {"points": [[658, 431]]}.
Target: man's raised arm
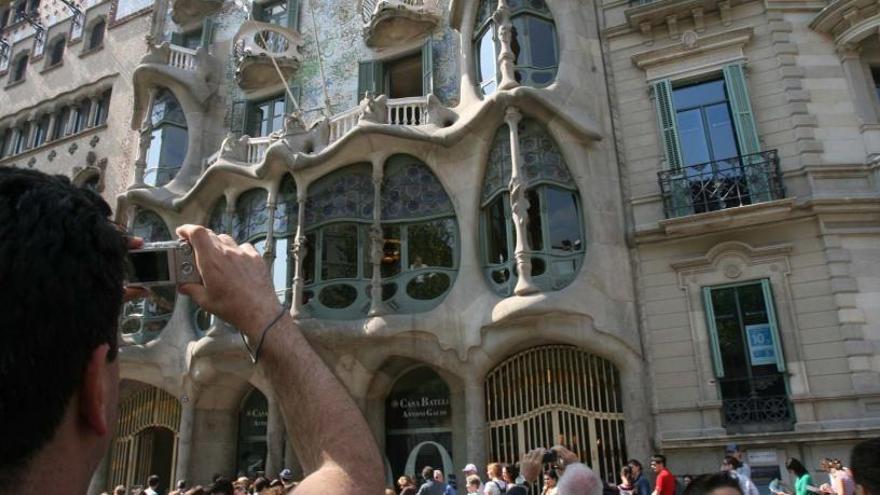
{"points": [[328, 431]]}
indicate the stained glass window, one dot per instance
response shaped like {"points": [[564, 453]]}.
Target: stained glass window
{"points": [[410, 190], [251, 216], [150, 226], [286, 209], [218, 220], [344, 194]]}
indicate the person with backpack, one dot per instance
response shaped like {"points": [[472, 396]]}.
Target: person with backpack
{"points": [[495, 485]]}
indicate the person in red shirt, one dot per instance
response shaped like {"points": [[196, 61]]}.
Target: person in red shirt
{"points": [[665, 484]]}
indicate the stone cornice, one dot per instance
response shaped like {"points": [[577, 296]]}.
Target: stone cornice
{"points": [[736, 38], [849, 22]]}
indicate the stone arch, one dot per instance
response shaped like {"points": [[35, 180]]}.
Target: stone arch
{"points": [[551, 394], [146, 438]]}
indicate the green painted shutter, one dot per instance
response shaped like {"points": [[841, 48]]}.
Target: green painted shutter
{"points": [[679, 201], [774, 327], [293, 14], [755, 172], [207, 32], [427, 67], [257, 13], [296, 91], [370, 78], [718, 364]]}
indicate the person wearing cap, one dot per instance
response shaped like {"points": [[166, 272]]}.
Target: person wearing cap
{"points": [[152, 485], [471, 470], [286, 477], [730, 465], [180, 489], [740, 454]]}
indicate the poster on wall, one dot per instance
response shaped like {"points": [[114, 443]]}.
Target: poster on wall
{"points": [[761, 348]]}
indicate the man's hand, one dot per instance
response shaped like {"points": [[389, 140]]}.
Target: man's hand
{"points": [[530, 466], [235, 280], [564, 457]]}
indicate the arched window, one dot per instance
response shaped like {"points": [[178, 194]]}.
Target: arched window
{"points": [[56, 52], [533, 41], [143, 319], [19, 68], [419, 256], [337, 268], [555, 219], [169, 140], [96, 35]]}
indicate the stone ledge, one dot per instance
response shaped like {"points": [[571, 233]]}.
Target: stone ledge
{"points": [[803, 432]]}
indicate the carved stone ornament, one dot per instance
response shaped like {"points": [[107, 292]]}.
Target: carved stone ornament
{"points": [[732, 270], [689, 39], [52, 154], [31, 162], [94, 141], [373, 108], [72, 148]]}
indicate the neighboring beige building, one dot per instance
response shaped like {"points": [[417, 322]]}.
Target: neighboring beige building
{"points": [[65, 72], [627, 227]]}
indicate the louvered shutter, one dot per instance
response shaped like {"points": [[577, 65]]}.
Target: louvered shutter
{"points": [[427, 67], [207, 32], [296, 91], [370, 78], [293, 14], [757, 180], [678, 202], [718, 364]]}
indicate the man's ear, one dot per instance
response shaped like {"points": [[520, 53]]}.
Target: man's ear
{"points": [[92, 394]]}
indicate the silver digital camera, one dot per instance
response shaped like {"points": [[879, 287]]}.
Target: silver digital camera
{"points": [[163, 263]]}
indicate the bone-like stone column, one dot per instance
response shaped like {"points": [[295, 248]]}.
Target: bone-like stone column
{"points": [[299, 252], [501, 17], [377, 241], [475, 422], [519, 207], [184, 440]]}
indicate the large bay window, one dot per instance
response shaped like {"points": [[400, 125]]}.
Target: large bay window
{"points": [[169, 140], [555, 218]]}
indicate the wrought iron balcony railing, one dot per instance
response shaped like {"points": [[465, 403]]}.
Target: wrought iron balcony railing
{"points": [[756, 404], [721, 184]]}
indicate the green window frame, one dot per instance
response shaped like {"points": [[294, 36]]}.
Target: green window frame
{"points": [[289, 18], [373, 75]]}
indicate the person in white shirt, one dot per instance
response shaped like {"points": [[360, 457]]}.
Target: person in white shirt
{"points": [[740, 454], [152, 485]]}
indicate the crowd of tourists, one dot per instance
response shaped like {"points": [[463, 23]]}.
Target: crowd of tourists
{"points": [[567, 476]]}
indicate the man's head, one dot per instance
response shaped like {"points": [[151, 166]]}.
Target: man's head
{"points": [[658, 462], [62, 269], [221, 486], [863, 464], [735, 450], [286, 476], [153, 481], [578, 479], [636, 467], [438, 476], [714, 484], [469, 470], [427, 473]]}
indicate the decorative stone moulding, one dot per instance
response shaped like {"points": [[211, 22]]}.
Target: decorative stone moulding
{"points": [[391, 22], [166, 64], [646, 15], [256, 46], [187, 11]]}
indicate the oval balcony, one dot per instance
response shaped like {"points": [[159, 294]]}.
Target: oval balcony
{"points": [[186, 11], [390, 22], [261, 50]]}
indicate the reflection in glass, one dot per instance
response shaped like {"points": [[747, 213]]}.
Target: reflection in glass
{"points": [[169, 140], [564, 225], [391, 250], [339, 255], [431, 244], [486, 59], [536, 237], [496, 231], [338, 296], [429, 286]]}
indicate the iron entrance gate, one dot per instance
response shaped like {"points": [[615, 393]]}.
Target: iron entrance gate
{"points": [[552, 395]]}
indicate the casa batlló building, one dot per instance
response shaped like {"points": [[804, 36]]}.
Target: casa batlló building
{"points": [[626, 227]]}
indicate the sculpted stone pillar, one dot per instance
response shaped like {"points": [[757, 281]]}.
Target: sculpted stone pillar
{"points": [[377, 241], [519, 207], [475, 422], [184, 439], [299, 252], [501, 16], [275, 438], [146, 135]]}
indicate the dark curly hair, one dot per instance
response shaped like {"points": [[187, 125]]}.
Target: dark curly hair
{"points": [[62, 265]]}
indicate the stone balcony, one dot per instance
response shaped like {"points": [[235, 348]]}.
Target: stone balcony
{"points": [[262, 50], [166, 63], [391, 22], [414, 113], [187, 11]]}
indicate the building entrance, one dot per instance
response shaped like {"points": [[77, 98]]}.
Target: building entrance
{"points": [[418, 423], [552, 395], [146, 440]]}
